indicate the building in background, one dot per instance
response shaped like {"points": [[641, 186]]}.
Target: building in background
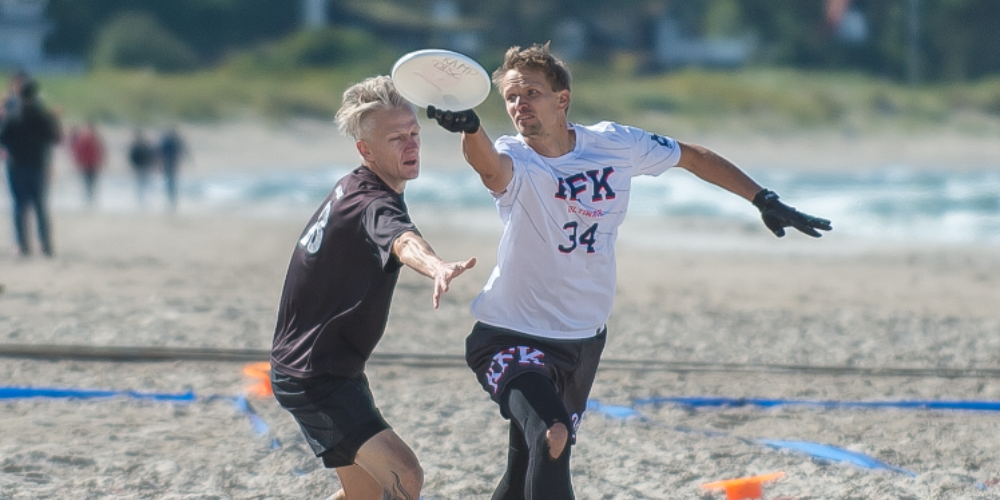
{"points": [[674, 49], [23, 29], [314, 14]]}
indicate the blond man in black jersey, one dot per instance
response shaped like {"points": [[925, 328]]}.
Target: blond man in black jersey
{"points": [[336, 297]]}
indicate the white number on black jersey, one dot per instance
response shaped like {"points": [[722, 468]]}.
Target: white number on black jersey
{"points": [[314, 236]]}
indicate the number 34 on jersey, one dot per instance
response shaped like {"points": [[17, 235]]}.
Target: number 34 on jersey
{"points": [[593, 184]]}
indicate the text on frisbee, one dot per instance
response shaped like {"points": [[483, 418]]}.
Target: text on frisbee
{"points": [[441, 78]]}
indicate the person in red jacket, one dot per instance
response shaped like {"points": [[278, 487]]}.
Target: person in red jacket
{"points": [[87, 147]]}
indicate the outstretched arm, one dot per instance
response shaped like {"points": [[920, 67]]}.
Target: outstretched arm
{"points": [[416, 253], [494, 169], [713, 168]]}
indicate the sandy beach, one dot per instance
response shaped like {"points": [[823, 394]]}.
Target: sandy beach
{"points": [[709, 310]]}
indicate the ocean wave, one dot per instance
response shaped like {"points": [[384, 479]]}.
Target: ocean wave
{"points": [[896, 203]]}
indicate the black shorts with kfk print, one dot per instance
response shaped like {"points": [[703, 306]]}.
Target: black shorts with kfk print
{"points": [[498, 355]]}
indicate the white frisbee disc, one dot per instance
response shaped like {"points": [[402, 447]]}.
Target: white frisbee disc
{"points": [[441, 78]]}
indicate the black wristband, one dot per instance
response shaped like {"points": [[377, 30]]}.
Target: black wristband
{"points": [[763, 198]]}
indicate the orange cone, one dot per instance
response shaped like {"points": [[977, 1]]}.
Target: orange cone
{"points": [[262, 373], [744, 487]]}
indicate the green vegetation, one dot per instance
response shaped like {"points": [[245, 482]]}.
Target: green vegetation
{"points": [[768, 100], [779, 100], [137, 40], [146, 97], [324, 48], [195, 60]]}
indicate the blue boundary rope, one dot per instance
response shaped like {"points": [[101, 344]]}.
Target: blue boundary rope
{"points": [[817, 450], [58, 392], [713, 401]]}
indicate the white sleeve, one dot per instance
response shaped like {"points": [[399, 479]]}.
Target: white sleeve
{"points": [[652, 154], [507, 145]]}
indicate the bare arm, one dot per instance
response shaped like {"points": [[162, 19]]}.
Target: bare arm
{"points": [[416, 253], [494, 169], [713, 168]]}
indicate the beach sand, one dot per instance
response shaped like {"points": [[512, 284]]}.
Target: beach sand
{"points": [[708, 310]]}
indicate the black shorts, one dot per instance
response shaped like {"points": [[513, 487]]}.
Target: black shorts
{"points": [[336, 414], [498, 355]]}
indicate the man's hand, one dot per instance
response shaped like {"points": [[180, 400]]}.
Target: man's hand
{"points": [[455, 121], [414, 252], [444, 275], [777, 216]]}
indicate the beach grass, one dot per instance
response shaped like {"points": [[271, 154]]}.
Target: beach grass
{"points": [[772, 100], [146, 97], [782, 100]]}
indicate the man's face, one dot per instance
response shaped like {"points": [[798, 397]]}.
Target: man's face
{"points": [[392, 148], [532, 105]]}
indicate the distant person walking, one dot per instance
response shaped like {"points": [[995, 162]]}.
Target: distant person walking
{"points": [[28, 137], [142, 157], [10, 104], [172, 150], [12, 98], [87, 147]]}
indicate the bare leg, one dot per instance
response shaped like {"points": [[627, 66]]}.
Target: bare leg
{"points": [[385, 469], [339, 495], [358, 482]]}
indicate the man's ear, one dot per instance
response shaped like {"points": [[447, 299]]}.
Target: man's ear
{"points": [[564, 100], [363, 149]]}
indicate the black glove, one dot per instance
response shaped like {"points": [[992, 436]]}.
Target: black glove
{"points": [[777, 216], [455, 121]]}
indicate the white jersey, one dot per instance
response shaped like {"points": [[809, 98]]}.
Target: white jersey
{"points": [[555, 275]]}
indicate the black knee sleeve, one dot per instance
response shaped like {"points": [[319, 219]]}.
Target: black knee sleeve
{"points": [[533, 395], [511, 485], [533, 405]]}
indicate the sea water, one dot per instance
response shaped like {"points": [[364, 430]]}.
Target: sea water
{"points": [[897, 204]]}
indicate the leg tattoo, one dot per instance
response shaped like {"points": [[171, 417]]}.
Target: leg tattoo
{"points": [[397, 492]]}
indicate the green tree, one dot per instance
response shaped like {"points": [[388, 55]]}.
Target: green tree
{"points": [[210, 27], [137, 40], [318, 49], [957, 39]]}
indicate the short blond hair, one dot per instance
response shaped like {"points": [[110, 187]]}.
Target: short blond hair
{"points": [[361, 99]]}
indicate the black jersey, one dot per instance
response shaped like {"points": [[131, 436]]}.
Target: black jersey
{"points": [[29, 137], [335, 301]]}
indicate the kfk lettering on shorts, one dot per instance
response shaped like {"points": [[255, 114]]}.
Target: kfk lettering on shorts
{"points": [[503, 359]]}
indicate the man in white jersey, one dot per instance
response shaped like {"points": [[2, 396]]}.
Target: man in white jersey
{"points": [[562, 190]]}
